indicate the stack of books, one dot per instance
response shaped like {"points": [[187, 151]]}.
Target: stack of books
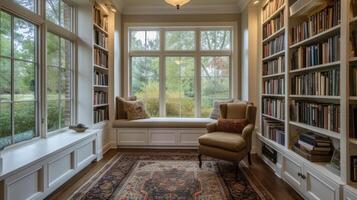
{"points": [[274, 108], [100, 79], [100, 39], [100, 114], [353, 121], [271, 7], [313, 147], [275, 66], [100, 97], [274, 46], [100, 58], [274, 86], [273, 25], [274, 130]]}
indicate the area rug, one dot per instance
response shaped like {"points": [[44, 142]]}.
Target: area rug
{"points": [[170, 176]]}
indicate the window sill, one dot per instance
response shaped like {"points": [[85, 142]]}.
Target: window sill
{"points": [[21, 156]]}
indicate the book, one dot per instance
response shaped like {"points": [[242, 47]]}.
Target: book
{"points": [[310, 157], [275, 66], [274, 86], [274, 130], [274, 107]]}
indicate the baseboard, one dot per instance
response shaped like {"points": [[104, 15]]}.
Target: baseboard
{"points": [[107, 147]]}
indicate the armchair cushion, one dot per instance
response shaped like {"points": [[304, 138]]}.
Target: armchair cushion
{"points": [[223, 140], [231, 125]]}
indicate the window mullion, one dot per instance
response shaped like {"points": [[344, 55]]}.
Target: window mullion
{"points": [[162, 75], [198, 75], [12, 83]]}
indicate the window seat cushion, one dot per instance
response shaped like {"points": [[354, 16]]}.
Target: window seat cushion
{"points": [[161, 122]]}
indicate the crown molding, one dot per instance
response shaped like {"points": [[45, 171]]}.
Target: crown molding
{"points": [[243, 4]]}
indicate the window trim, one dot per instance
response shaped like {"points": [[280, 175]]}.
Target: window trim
{"points": [[197, 54]]}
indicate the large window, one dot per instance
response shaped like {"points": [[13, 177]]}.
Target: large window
{"points": [[18, 79], [60, 13], [180, 72]]}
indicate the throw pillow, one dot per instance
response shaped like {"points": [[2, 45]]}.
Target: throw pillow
{"points": [[121, 113], [135, 110], [216, 113], [231, 125]]}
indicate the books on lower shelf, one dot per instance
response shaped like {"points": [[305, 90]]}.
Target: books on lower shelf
{"points": [[317, 54], [353, 81], [274, 130], [273, 25], [274, 46], [271, 7], [317, 23], [99, 18], [313, 147], [353, 121], [322, 115], [100, 39], [269, 153], [353, 167], [101, 58], [354, 8], [323, 83], [353, 39], [100, 97], [100, 114], [100, 79], [274, 107], [275, 66], [274, 86]]}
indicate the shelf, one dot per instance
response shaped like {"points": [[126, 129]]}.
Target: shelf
{"points": [[305, 7], [100, 67], [316, 67], [274, 14], [100, 86], [353, 59], [321, 131], [274, 118], [353, 141], [353, 20], [317, 37], [274, 35], [100, 47], [353, 98], [96, 26], [273, 95], [271, 143], [280, 53], [315, 97], [273, 75], [100, 105]]}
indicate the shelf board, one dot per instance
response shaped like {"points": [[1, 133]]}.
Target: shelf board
{"points": [[353, 59], [305, 7], [315, 97], [353, 20], [100, 47], [353, 140], [274, 35], [280, 53], [100, 67], [316, 37], [353, 98], [273, 75], [274, 14], [321, 131], [271, 143], [96, 26], [100, 86], [273, 95], [274, 118], [100, 105], [316, 67]]}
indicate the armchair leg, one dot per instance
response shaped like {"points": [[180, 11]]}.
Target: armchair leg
{"points": [[249, 159], [200, 160]]}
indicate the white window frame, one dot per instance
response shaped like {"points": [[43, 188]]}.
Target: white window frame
{"points": [[43, 26], [196, 54]]}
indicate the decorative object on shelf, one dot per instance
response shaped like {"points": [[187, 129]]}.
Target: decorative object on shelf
{"points": [[353, 168], [79, 128], [177, 3], [335, 163]]}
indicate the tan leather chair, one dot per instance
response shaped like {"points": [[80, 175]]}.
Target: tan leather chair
{"points": [[229, 146]]}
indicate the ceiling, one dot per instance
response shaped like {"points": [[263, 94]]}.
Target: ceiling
{"points": [[131, 7]]}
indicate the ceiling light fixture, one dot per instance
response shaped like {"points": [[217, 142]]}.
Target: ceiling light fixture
{"points": [[177, 3], [255, 2]]}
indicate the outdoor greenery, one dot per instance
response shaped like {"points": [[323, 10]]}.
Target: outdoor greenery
{"points": [[179, 86]]}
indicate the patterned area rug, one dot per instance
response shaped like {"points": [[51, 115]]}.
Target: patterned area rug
{"points": [[170, 176]]}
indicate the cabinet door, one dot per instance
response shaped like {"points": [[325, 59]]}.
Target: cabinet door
{"points": [[164, 137], [291, 172], [319, 187]]}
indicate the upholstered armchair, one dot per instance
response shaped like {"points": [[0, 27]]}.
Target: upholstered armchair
{"points": [[230, 146]]}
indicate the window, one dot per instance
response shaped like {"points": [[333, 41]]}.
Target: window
{"points": [[60, 13], [180, 72], [59, 82], [29, 4], [18, 72]]}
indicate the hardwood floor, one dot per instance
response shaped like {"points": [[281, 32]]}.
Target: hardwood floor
{"points": [[277, 187]]}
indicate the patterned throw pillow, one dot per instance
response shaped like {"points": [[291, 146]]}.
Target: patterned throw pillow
{"points": [[135, 110], [216, 113], [231, 125]]}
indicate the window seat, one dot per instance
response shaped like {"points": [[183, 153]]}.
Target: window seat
{"points": [[161, 122]]}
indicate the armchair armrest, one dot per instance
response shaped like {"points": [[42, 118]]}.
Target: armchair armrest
{"points": [[211, 127], [247, 131]]}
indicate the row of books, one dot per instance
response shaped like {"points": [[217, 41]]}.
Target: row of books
{"points": [[317, 23], [100, 114], [100, 97], [273, 25], [322, 53], [354, 43], [274, 108], [354, 8], [353, 81], [274, 46], [274, 86], [313, 147], [99, 18], [100, 78], [100, 58], [353, 121], [269, 153], [275, 66], [324, 83], [271, 7], [326, 116], [100, 39], [274, 130]]}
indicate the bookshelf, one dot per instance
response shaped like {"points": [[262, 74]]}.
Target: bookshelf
{"points": [[102, 62], [319, 66]]}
